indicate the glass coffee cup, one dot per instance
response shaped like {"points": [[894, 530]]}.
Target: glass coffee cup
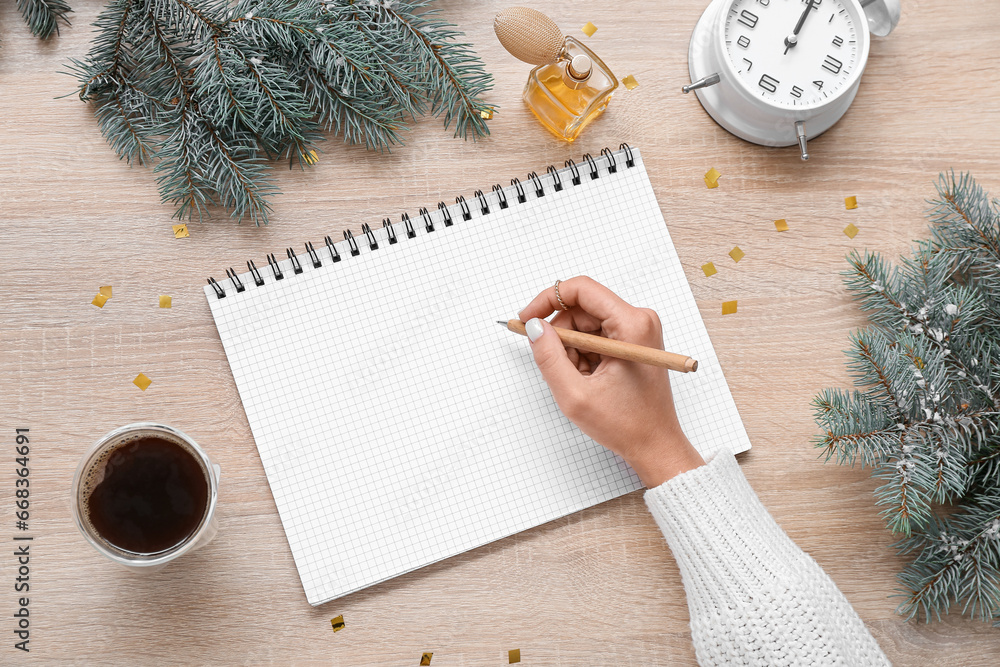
{"points": [[146, 494]]}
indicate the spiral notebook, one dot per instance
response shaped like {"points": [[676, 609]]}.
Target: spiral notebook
{"points": [[397, 422]]}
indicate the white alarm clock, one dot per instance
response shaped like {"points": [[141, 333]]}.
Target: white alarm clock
{"points": [[776, 72]]}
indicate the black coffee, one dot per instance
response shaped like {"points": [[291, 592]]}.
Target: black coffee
{"points": [[153, 496]]}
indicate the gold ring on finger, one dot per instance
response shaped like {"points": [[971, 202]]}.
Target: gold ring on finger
{"points": [[559, 298]]}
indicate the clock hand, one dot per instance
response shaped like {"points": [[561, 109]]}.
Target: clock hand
{"points": [[793, 39]]}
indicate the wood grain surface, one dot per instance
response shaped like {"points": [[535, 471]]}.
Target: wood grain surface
{"points": [[596, 588]]}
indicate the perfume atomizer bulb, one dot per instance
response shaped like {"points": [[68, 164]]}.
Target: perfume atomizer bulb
{"points": [[534, 38], [529, 35]]}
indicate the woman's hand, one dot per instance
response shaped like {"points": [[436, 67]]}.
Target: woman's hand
{"points": [[625, 406]]}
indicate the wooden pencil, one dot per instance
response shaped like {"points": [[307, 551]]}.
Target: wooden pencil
{"points": [[615, 348]]}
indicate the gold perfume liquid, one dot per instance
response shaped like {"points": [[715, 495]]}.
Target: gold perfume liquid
{"points": [[564, 101]]}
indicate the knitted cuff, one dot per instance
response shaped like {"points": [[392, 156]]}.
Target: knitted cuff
{"points": [[726, 543]]}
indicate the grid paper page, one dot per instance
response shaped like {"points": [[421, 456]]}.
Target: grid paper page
{"points": [[399, 424]]}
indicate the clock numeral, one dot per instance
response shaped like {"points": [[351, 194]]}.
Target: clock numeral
{"points": [[749, 63], [818, 84], [838, 41], [748, 18], [832, 65], [815, 5], [796, 91], [763, 3], [768, 83], [744, 41]]}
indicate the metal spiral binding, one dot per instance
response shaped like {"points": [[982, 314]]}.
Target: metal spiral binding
{"points": [[390, 231], [219, 292], [372, 242], [410, 232], [483, 205], [258, 279], [612, 166], [539, 190], [312, 255], [629, 160], [428, 220], [349, 237], [332, 247], [296, 267], [516, 182], [237, 283], [466, 214], [556, 181], [428, 223], [446, 214], [500, 195], [272, 261], [575, 180]]}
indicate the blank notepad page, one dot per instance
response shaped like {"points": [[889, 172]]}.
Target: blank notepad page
{"points": [[399, 424]]}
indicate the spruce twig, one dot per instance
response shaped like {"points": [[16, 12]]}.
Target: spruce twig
{"points": [[925, 414], [43, 16], [210, 91]]}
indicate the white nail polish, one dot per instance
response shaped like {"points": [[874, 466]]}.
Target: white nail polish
{"points": [[534, 329]]}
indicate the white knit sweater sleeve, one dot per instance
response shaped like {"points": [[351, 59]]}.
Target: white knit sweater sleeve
{"points": [[755, 598]]}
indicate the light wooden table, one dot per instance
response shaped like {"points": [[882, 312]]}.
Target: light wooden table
{"points": [[595, 588]]}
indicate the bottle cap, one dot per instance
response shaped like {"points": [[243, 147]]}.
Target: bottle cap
{"points": [[580, 67], [577, 72]]}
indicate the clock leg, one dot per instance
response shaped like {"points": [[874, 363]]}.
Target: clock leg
{"points": [[800, 133], [705, 82]]}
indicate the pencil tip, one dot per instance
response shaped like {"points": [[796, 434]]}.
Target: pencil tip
{"points": [[503, 323]]}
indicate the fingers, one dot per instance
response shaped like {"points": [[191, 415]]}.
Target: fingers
{"points": [[590, 295], [595, 308], [578, 319], [553, 361]]}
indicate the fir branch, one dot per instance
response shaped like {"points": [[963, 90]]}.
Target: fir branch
{"points": [[43, 16], [210, 91], [857, 427], [957, 559], [453, 74], [926, 411]]}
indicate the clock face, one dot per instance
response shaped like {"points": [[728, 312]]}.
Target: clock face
{"points": [[794, 53]]}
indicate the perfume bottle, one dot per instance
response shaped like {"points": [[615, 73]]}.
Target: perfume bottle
{"points": [[570, 86]]}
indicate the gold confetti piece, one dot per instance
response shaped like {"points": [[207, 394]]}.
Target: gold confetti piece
{"points": [[736, 254], [851, 231], [180, 231], [337, 623], [106, 291], [712, 175], [165, 301], [142, 382], [311, 157], [589, 29], [99, 300], [513, 655], [850, 202], [486, 114], [781, 225], [728, 307], [709, 269], [630, 82], [711, 184], [425, 659]]}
